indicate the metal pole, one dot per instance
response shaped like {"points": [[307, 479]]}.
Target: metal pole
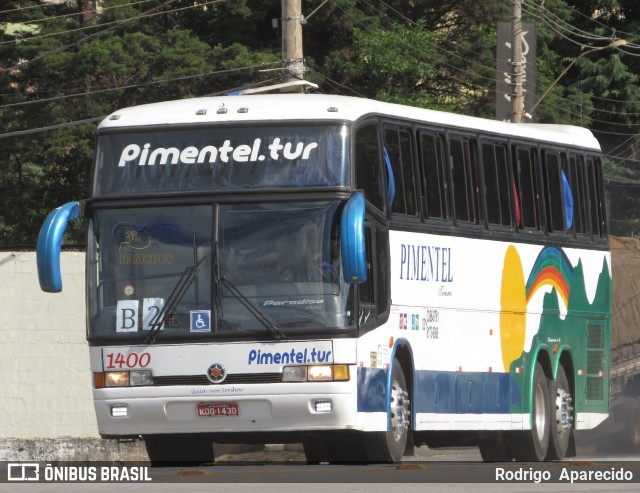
{"points": [[517, 64], [292, 40]]}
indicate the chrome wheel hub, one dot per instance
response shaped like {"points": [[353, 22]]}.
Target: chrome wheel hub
{"points": [[564, 411], [400, 411]]}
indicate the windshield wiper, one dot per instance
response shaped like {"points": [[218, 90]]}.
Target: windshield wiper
{"points": [[259, 316], [174, 298], [270, 326]]}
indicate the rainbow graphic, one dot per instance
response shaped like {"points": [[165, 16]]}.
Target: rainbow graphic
{"points": [[551, 268]]}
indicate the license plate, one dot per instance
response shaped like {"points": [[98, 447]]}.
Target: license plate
{"points": [[209, 409]]}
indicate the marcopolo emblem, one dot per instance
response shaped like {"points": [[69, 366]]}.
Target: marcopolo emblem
{"points": [[216, 373]]}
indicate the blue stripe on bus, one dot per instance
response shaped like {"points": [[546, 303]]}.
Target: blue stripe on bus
{"points": [[444, 392], [372, 390]]}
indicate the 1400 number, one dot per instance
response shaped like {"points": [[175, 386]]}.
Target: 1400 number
{"points": [[131, 360]]}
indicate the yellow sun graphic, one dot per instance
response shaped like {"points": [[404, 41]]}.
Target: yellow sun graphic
{"points": [[513, 301]]}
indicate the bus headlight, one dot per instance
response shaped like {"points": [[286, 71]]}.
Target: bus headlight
{"points": [[116, 379], [320, 373], [133, 378], [140, 377], [294, 374], [316, 373]]}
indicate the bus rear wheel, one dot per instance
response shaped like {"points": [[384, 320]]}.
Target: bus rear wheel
{"points": [[496, 448], [561, 417], [179, 449], [390, 446], [532, 445]]}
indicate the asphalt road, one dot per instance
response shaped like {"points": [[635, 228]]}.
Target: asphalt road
{"points": [[449, 470]]}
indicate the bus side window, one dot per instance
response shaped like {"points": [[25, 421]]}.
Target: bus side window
{"points": [[553, 185], [367, 289], [526, 183], [434, 176], [575, 174], [464, 189], [497, 192], [595, 194], [398, 147], [368, 175], [374, 292]]}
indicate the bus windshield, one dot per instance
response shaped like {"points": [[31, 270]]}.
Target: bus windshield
{"points": [[189, 271], [221, 158]]}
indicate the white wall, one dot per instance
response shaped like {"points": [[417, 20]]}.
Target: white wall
{"points": [[45, 383]]}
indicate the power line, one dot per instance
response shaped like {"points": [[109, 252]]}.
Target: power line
{"points": [[555, 20], [17, 133], [28, 7], [488, 89], [51, 127], [141, 84], [115, 23], [592, 19], [84, 40], [145, 14], [73, 14]]}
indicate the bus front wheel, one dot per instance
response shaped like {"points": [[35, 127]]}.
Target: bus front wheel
{"points": [[179, 449], [390, 446], [532, 445]]}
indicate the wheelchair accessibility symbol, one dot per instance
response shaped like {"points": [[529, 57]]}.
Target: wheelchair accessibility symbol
{"points": [[200, 320]]}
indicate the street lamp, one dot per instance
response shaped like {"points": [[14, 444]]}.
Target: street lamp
{"points": [[614, 44]]}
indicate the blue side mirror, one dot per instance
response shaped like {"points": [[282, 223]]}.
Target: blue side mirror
{"points": [[354, 262], [50, 244]]}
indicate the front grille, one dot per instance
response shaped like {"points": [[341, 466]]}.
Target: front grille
{"points": [[239, 378]]}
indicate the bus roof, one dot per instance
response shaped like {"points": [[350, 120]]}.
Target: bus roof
{"points": [[321, 107]]}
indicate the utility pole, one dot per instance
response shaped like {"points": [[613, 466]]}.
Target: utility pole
{"points": [[292, 40], [517, 65], [88, 9]]}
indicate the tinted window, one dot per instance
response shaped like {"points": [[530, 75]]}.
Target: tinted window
{"points": [[575, 171], [525, 173], [368, 177], [596, 201], [553, 192], [464, 180], [497, 191], [398, 147], [434, 176]]}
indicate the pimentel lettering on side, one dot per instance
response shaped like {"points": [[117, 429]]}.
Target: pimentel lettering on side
{"points": [[243, 153]]}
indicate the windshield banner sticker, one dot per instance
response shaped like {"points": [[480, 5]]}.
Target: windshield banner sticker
{"points": [[209, 154], [221, 158]]}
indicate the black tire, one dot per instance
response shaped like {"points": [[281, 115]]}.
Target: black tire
{"points": [[179, 450], [390, 446], [316, 452], [635, 433], [560, 417], [532, 445], [338, 449], [496, 449]]}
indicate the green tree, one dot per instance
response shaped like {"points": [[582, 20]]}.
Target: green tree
{"points": [[57, 69]]}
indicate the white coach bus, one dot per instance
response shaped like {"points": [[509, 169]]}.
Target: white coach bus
{"points": [[357, 276]]}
